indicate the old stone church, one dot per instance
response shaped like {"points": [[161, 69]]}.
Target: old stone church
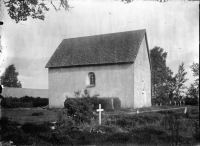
{"points": [[111, 65]]}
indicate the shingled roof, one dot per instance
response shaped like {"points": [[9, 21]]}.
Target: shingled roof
{"points": [[121, 47]]}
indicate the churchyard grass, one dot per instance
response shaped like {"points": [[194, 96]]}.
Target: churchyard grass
{"points": [[162, 128], [24, 115]]}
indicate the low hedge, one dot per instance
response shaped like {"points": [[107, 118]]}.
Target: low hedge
{"points": [[15, 104], [26, 101]]}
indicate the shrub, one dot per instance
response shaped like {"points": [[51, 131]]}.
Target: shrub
{"points": [[106, 103], [191, 101], [37, 102], [80, 109], [26, 101]]}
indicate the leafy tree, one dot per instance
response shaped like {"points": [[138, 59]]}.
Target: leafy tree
{"points": [[20, 10], [192, 91], [180, 79], [194, 88], [161, 74], [9, 77], [195, 70]]}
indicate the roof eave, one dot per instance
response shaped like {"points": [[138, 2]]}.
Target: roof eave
{"points": [[85, 65]]}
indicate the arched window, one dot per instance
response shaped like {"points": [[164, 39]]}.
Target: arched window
{"points": [[92, 78]]}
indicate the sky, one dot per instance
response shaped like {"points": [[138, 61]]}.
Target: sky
{"points": [[173, 26]]}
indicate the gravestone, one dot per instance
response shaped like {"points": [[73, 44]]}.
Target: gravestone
{"points": [[112, 102], [185, 111]]}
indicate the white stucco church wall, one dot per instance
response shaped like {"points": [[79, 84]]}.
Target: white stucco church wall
{"points": [[142, 77], [111, 81]]}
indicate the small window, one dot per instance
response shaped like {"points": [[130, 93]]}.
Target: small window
{"points": [[92, 78]]}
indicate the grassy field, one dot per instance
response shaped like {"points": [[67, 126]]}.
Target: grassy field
{"points": [[121, 127], [23, 115]]}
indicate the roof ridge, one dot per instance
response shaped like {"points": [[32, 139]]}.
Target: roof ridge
{"points": [[105, 34]]}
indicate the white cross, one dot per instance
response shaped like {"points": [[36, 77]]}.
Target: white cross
{"points": [[99, 110]]}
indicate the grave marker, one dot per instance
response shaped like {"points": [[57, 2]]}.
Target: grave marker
{"points": [[112, 101], [137, 112], [99, 110], [185, 111]]}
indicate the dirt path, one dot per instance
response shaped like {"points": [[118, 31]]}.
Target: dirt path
{"points": [[147, 111]]}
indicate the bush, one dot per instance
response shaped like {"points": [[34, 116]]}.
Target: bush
{"points": [[15, 103], [37, 102], [106, 103], [26, 101], [80, 109], [191, 101]]}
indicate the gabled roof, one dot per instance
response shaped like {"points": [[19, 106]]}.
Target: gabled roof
{"points": [[121, 47]]}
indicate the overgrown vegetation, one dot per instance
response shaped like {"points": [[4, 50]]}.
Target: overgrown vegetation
{"points": [[82, 107], [161, 128]]}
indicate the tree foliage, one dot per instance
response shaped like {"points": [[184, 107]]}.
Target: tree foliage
{"points": [[195, 70], [9, 77], [161, 73], [20, 10], [180, 79], [192, 91]]}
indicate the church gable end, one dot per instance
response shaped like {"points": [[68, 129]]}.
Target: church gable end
{"points": [[142, 76]]}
